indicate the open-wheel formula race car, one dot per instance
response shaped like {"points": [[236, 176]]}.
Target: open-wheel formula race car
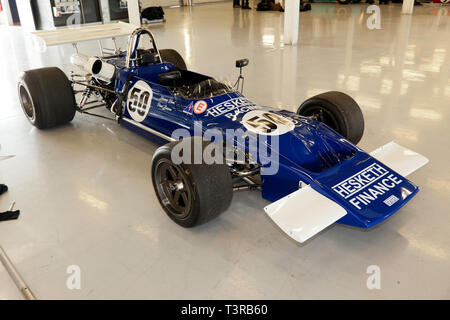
{"points": [[310, 169]]}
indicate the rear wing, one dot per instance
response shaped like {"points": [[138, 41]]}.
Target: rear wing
{"points": [[43, 39], [73, 35]]}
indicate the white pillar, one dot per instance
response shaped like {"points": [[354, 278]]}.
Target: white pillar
{"points": [[134, 14], [408, 6], [104, 5], [7, 12], [291, 14], [26, 15]]}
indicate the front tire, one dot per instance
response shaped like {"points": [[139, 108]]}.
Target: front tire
{"points": [[338, 111], [46, 97], [190, 194]]}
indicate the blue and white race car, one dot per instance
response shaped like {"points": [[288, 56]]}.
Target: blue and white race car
{"points": [[215, 141]]}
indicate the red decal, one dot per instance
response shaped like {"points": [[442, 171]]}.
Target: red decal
{"points": [[200, 106]]}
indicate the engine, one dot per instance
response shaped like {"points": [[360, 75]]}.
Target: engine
{"points": [[95, 66]]}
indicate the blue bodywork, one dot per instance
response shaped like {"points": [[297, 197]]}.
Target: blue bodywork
{"points": [[311, 152]]}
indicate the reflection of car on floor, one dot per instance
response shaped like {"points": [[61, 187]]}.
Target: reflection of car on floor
{"points": [[322, 177]]}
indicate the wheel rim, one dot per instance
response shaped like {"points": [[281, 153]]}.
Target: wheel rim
{"points": [[173, 189], [26, 102], [323, 115]]}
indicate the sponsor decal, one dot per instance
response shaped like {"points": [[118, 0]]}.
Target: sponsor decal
{"points": [[232, 108], [367, 185], [139, 100], [200, 106], [267, 123], [189, 109], [391, 200]]}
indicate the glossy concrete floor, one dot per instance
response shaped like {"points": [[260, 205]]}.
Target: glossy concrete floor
{"points": [[86, 198]]}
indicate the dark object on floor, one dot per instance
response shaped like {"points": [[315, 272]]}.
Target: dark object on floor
{"points": [[153, 13], [265, 5], [9, 215], [3, 188], [275, 7], [304, 6], [236, 4]]}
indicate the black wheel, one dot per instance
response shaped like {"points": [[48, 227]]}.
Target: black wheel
{"points": [[46, 97], [344, 1], [190, 194], [338, 111], [172, 56]]}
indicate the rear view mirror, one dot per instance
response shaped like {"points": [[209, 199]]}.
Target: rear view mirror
{"points": [[242, 63], [169, 78]]}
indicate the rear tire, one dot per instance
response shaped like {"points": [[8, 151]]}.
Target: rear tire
{"points": [[172, 56], [46, 97], [204, 190], [338, 111]]}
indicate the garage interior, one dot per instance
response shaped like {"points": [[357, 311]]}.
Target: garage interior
{"points": [[85, 192]]}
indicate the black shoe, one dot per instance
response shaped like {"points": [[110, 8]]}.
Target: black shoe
{"points": [[3, 188], [245, 7]]}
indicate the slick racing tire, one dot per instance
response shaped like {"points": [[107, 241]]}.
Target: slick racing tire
{"points": [[172, 56], [338, 111], [190, 194], [46, 97]]}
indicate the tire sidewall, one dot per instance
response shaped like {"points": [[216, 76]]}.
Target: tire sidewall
{"points": [[23, 84], [341, 121], [51, 95], [164, 153], [345, 110]]}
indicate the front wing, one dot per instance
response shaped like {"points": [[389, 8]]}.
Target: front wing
{"points": [[306, 212]]}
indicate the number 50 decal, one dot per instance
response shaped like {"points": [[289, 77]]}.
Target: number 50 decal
{"points": [[267, 123], [139, 100]]}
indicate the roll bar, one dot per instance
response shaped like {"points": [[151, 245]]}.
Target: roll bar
{"points": [[133, 42]]}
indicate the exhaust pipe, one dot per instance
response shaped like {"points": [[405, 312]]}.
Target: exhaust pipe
{"points": [[95, 66]]}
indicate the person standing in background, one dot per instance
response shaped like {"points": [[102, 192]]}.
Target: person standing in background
{"points": [[245, 4]]}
